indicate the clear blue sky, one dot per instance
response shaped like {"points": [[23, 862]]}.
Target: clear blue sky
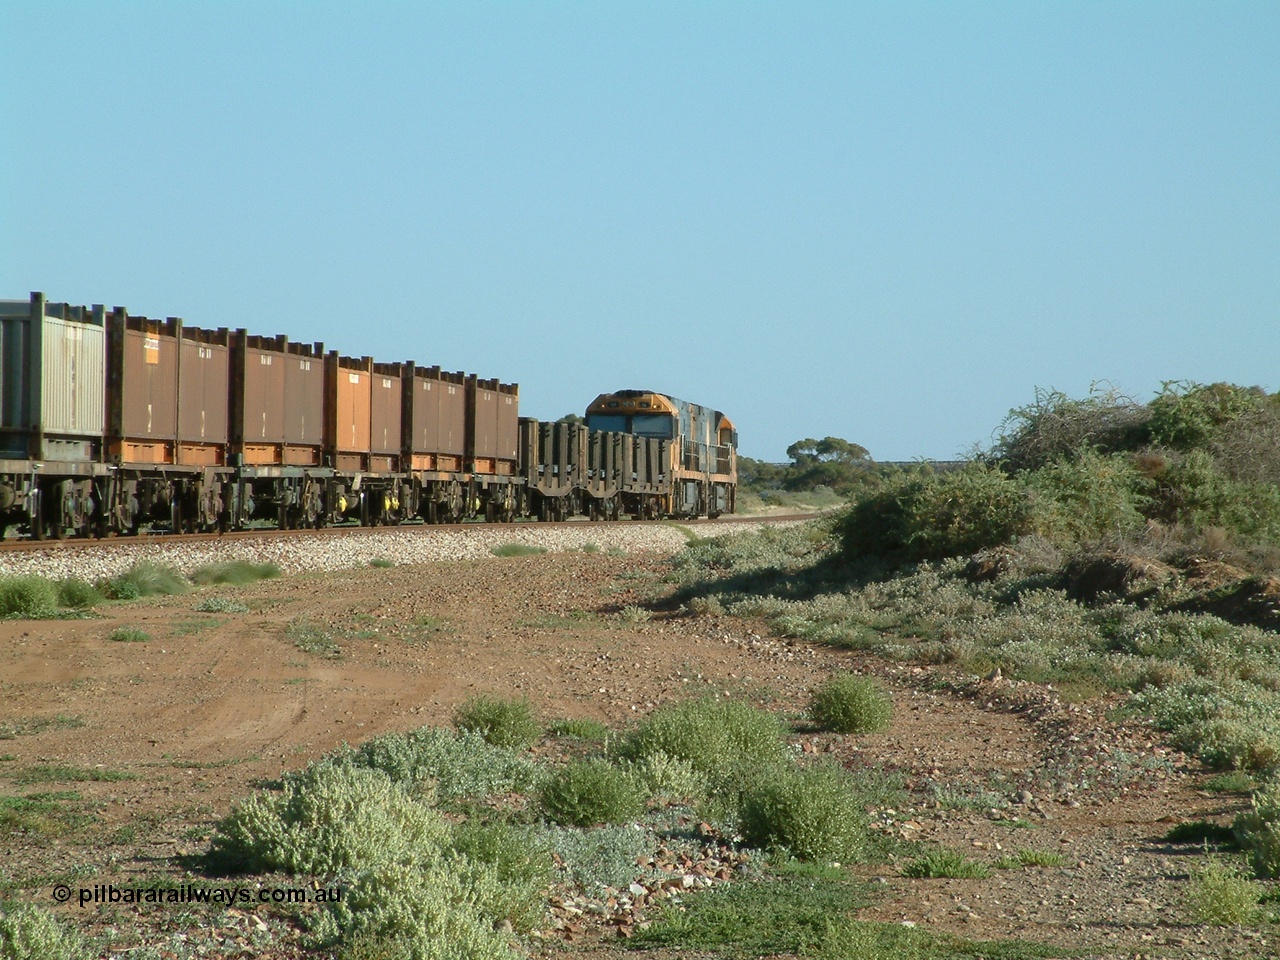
{"points": [[886, 221]]}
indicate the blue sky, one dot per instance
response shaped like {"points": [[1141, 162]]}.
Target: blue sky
{"points": [[888, 222]]}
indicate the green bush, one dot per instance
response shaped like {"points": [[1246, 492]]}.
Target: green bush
{"points": [[1190, 415], [78, 594], [851, 704], [234, 572], [458, 766], [1089, 496], [503, 723], [29, 598], [812, 813], [143, 580], [29, 933], [669, 778], [1221, 894], [326, 819], [722, 740], [589, 792], [922, 515]]}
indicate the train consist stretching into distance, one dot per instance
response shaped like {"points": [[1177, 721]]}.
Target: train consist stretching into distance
{"points": [[109, 422]]}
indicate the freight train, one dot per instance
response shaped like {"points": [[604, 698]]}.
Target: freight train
{"points": [[110, 422]]}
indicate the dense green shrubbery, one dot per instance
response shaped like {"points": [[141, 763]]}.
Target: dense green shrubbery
{"points": [[851, 704], [29, 933], [589, 792], [924, 515], [503, 723], [812, 813], [27, 597], [77, 594]]}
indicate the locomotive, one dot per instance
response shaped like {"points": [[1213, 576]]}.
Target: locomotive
{"points": [[110, 421]]}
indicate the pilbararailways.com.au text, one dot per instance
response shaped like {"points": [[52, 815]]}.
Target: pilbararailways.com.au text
{"points": [[110, 893]]}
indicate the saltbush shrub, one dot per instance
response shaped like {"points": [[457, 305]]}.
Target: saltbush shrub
{"points": [[455, 765], [851, 704], [503, 723], [327, 819], [29, 933], [812, 813], [600, 857], [585, 793], [27, 597]]}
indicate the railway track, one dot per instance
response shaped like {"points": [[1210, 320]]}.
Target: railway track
{"points": [[346, 547], [23, 545]]}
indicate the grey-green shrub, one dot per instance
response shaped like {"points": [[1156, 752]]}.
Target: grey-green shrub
{"points": [[721, 740], [600, 857], [29, 933], [588, 792], [851, 704], [326, 819], [503, 723], [27, 597], [459, 765], [420, 912], [812, 813]]}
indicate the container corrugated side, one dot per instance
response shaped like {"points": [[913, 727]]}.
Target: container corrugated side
{"points": [[73, 385]]}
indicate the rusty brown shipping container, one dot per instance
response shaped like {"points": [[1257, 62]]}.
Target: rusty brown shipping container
{"points": [[385, 408], [277, 399], [434, 418], [348, 399], [492, 426], [142, 388], [304, 396], [204, 368]]}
